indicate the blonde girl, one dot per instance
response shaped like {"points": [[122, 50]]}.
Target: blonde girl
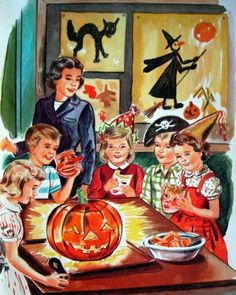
{"points": [[19, 185], [117, 178]]}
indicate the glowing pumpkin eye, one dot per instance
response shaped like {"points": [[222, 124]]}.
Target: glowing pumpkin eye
{"points": [[106, 226], [75, 229]]}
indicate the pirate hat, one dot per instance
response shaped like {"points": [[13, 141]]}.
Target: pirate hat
{"points": [[170, 40], [163, 125], [201, 128]]}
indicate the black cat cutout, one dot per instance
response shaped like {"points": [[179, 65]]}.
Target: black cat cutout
{"points": [[108, 30]]}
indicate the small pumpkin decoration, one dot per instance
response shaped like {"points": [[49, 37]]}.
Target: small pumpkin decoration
{"points": [[191, 111], [84, 232]]}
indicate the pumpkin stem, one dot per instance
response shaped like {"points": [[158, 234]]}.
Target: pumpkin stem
{"points": [[82, 199]]}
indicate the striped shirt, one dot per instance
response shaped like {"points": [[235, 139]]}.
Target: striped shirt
{"points": [[50, 184], [154, 178]]}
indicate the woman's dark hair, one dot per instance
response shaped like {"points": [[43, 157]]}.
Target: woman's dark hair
{"points": [[181, 139], [58, 65]]}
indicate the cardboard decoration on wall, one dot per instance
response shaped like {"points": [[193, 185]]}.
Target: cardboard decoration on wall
{"points": [[97, 39], [197, 35], [104, 96]]}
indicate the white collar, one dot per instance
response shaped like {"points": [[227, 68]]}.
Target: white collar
{"points": [[197, 173], [10, 206], [114, 167]]}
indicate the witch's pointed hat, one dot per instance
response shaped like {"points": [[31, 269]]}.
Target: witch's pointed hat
{"points": [[170, 40], [201, 128]]}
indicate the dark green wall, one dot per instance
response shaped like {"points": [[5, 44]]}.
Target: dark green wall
{"points": [[18, 87], [8, 100]]}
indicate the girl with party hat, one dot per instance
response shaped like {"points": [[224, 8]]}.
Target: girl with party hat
{"points": [[199, 208]]}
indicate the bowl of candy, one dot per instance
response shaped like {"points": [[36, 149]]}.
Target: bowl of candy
{"points": [[174, 246]]}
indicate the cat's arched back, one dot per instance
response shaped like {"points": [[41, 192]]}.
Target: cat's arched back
{"points": [[109, 29]]}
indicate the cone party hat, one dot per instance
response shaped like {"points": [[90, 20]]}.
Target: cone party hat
{"points": [[201, 128]]}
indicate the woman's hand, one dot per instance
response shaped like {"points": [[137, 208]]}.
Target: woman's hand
{"points": [[59, 281], [128, 191], [112, 183]]}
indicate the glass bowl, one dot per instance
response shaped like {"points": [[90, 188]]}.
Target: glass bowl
{"points": [[174, 254]]}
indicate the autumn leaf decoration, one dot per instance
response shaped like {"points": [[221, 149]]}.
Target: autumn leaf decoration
{"points": [[107, 96], [90, 91]]}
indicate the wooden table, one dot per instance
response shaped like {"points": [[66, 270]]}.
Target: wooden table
{"points": [[206, 274]]}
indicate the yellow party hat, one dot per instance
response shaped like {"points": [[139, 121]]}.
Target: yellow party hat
{"points": [[201, 128]]}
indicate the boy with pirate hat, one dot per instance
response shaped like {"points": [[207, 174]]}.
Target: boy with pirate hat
{"points": [[165, 172]]}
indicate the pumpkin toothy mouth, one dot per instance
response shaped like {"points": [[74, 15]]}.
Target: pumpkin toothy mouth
{"points": [[92, 248]]}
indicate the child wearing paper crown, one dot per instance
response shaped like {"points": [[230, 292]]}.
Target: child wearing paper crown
{"points": [[199, 208], [118, 178]]}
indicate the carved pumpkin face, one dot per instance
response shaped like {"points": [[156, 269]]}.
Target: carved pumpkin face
{"points": [[84, 232], [67, 163], [191, 111], [169, 199]]}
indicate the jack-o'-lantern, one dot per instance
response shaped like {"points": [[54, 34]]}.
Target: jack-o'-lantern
{"points": [[169, 199], [191, 111], [67, 163], [84, 232]]}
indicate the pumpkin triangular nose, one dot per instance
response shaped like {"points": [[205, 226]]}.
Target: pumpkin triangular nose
{"points": [[91, 236]]}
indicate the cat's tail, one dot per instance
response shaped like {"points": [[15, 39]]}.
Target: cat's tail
{"points": [[71, 34]]}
